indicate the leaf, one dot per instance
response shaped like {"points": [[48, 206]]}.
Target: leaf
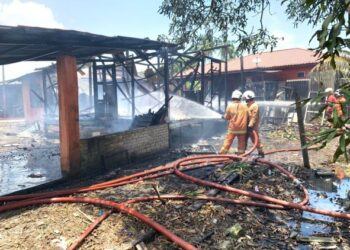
{"points": [[342, 143], [336, 154], [326, 22], [326, 131], [331, 136], [309, 2]]}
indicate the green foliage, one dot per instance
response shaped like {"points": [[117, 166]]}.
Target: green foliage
{"points": [[218, 20], [333, 18], [237, 167], [205, 41], [339, 131], [215, 21], [339, 125]]}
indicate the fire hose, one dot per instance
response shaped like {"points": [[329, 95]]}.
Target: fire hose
{"points": [[179, 167]]}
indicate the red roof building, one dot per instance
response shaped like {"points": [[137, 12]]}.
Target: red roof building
{"points": [[270, 73], [279, 59]]}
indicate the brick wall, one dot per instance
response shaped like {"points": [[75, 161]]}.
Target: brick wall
{"points": [[113, 150]]}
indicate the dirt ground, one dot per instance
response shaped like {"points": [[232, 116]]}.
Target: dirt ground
{"points": [[205, 225]]}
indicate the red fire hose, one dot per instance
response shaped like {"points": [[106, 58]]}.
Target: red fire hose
{"points": [[88, 230], [178, 167]]}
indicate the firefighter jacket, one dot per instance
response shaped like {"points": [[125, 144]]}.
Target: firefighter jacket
{"points": [[237, 115], [330, 101], [254, 116], [339, 106]]}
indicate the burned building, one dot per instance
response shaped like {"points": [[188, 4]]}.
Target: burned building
{"points": [[52, 94]]}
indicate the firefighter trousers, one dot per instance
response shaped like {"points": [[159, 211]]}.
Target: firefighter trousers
{"points": [[228, 142]]}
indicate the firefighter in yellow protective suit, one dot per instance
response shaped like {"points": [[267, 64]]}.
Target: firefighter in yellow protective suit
{"points": [[339, 104], [237, 115], [254, 118]]}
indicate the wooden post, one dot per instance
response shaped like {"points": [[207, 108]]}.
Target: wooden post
{"points": [[3, 92], [91, 101], [166, 77], [132, 89], [211, 83], [301, 130], [202, 95], [181, 79], [225, 76], [68, 115], [219, 88], [242, 72]]}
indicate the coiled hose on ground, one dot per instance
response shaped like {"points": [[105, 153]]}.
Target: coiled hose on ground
{"points": [[178, 168]]}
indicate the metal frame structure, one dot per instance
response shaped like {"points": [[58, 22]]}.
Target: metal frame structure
{"points": [[162, 63]]}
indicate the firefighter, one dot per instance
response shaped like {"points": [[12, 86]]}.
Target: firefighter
{"points": [[237, 115], [254, 119], [330, 102], [339, 104]]}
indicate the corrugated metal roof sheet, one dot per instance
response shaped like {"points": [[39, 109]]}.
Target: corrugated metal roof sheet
{"points": [[32, 43]]}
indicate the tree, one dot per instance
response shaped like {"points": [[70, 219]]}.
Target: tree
{"points": [[221, 19], [332, 15], [190, 19], [202, 42]]}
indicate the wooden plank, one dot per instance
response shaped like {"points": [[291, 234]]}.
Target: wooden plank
{"points": [[68, 114]]}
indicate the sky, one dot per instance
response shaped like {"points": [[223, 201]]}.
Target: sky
{"points": [[134, 18]]}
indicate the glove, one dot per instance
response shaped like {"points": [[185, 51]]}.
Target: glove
{"points": [[249, 130]]}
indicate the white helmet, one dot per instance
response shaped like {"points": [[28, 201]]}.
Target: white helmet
{"points": [[328, 90], [236, 94], [248, 95], [337, 92]]}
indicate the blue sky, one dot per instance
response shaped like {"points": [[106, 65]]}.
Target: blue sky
{"points": [[136, 18]]}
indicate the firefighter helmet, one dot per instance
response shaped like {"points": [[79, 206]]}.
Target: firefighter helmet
{"points": [[328, 90], [236, 94], [248, 95], [337, 92]]}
